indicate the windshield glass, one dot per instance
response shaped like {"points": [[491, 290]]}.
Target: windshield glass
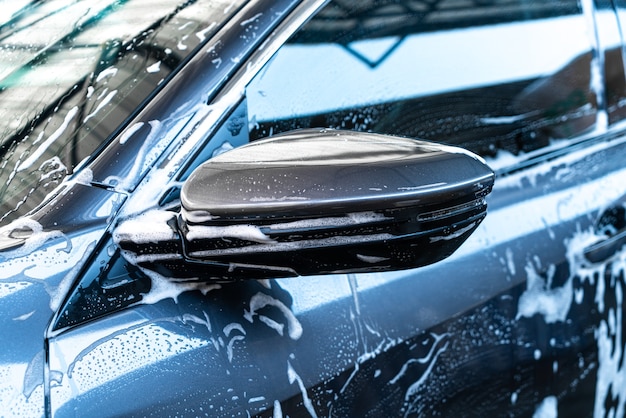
{"points": [[72, 72]]}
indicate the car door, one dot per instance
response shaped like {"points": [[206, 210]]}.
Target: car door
{"points": [[525, 318], [511, 318]]}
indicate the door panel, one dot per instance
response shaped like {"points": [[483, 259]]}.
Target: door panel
{"points": [[513, 321]]}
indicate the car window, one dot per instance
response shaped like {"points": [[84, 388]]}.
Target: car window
{"points": [[71, 74], [503, 78]]}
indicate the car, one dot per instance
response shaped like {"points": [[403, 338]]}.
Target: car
{"points": [[312, 208]]}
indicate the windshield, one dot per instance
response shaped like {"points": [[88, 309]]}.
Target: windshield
{"points": [[72, 72]]}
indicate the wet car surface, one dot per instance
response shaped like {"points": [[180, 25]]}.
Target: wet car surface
{"points": [[284, 291]]}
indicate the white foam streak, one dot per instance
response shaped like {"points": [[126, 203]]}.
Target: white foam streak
{"points": [[154, 68], [350, 219], [48, 142], [148, 227], [547, 408], [260, 301], [611, 376], [244, 232], [101, 105], [294, 377], [130, 132], [291, 246], [539, 298], [147, 149], [109, 72], [165, 288]]}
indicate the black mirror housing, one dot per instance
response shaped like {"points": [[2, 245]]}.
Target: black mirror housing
{"points": [[319, 202]]}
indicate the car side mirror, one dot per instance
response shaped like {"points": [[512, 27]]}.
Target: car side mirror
{"points": [[314, 202]]}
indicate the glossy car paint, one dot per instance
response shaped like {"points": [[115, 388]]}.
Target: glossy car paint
{"points": [[517, 322]]}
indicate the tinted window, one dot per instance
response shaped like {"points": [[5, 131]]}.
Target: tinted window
{"points": [[504, 77]]}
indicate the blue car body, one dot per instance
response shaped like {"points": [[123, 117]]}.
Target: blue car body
{"points": [[525, 318]]}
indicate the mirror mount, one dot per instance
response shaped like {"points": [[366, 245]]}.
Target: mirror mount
{"points": [[315, 202]]}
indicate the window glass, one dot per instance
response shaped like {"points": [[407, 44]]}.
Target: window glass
{"points": [[498, 78], [71, 72]]}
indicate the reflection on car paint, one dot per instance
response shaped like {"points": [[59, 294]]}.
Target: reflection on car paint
{"points": [[149, 342], [234, 333], [54, 272], [103, 357]]}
